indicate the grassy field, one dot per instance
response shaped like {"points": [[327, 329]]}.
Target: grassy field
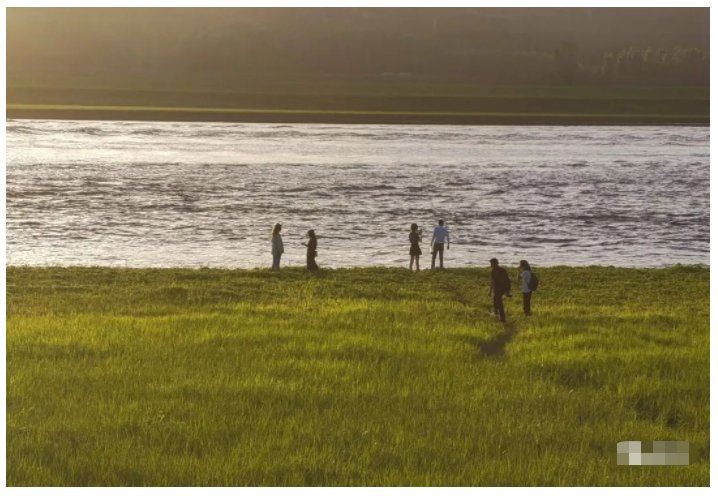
{"points": [[352, 377], [372, 102]]}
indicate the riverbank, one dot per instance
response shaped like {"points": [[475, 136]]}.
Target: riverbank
{"points": [[352, 377], [373, 104]]}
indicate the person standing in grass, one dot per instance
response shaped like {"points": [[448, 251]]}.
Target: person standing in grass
{"points": [[500, 286], [311, 251], [415, 250], [437, 244], [277, 246], [525, 278]]}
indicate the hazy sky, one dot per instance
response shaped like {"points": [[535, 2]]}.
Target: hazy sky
{"points": [[144, 47]]}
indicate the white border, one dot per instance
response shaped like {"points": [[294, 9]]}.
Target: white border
{"points": [[363, 3], [358, 491]]}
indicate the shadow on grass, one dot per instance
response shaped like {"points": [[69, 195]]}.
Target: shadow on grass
{"points": [[494, 347]]}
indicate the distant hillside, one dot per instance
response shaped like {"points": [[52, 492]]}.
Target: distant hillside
{"points": [[225, 49]]}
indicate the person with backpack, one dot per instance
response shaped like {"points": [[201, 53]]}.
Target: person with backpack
{"points": [[529, 284], [500, 286]]}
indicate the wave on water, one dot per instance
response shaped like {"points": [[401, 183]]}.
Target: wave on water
{"points": [[684, 139], [538, 239], [150, 132], [299, 189], [91, 131], [19, 129], [460, 183], [363, 188]]}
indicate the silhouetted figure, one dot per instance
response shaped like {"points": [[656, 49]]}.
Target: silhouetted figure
{"points": [[311, 251], [277, 246], [525, 278], [500, 286], [415, 250], [437, 244]]}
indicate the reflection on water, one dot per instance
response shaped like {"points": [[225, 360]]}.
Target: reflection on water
{"points": [[204, 194]]}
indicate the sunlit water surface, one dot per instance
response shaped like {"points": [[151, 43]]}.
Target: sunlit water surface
{"points": [[151, 194]]}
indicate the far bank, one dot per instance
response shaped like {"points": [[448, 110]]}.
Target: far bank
{"points": [[347, 103]]}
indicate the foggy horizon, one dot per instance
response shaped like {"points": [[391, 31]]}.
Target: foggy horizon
{"points": [[226, 48]]}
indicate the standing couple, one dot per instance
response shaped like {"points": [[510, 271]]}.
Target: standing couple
{"points": [[501, 285], [440, 235], [278, 248]]}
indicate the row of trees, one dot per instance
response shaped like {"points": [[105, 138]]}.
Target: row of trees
{"points": [[568, 65], [650, 66], [644, 66]]}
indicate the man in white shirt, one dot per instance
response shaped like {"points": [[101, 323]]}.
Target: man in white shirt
{"points": [[437, 244]]}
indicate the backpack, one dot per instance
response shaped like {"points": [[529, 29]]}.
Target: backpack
{"points": [[533, 282], [503, 281]]}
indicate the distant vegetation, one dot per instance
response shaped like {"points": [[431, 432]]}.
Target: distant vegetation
{"points": [[677, 66], [355, 377]]}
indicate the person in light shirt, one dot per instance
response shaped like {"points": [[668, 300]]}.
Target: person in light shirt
{"points": [[441, 235]]}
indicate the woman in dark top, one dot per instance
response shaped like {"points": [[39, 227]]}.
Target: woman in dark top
{"points": [[311, 251], [415, 250]]}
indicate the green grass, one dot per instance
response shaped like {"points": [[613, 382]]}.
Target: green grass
{"points": [[353, 377]]}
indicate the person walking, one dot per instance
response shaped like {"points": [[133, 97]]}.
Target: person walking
{"points": [[415, 249], [500, 286], [311, 251], [277, 246], [440, 235], [525, 275]]}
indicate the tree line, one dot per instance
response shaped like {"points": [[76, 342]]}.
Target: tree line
{"points": [[633, 65]]}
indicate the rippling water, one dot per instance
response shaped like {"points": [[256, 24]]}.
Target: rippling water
{"points": [[147, 194]]}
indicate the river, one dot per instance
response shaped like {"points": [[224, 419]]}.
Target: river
{"points": [[176, 194]]}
